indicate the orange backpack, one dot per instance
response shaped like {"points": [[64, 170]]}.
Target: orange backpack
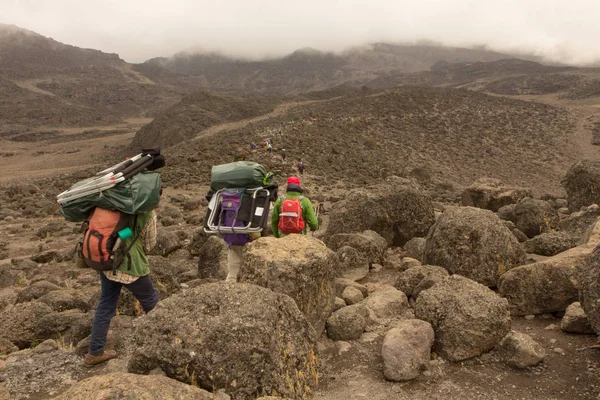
{"points": [[290, 217], [101, 240]]}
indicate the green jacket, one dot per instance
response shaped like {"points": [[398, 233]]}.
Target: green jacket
{"points": [[136, 263], [308, 214]]}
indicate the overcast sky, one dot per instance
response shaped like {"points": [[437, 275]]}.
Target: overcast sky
{"points": [[562, 30]]}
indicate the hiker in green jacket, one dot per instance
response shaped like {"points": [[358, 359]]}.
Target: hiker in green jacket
{"points": [[294, 213]]}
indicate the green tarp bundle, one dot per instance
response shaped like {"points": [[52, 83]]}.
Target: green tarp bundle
{"points": [[137, 195], [239, 174]]}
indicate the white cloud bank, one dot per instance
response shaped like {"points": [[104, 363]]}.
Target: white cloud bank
{"points": [[559, 30]]}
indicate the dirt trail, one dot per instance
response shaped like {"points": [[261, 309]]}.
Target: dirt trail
{"points": [[585, 112], [31, 84], [278, 111], [583, 133]]}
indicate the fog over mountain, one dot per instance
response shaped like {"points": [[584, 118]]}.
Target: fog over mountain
{"points": [[138, 30]]}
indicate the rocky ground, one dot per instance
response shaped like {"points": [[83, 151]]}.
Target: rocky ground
{"points": [[420, 180], [349, 368]]}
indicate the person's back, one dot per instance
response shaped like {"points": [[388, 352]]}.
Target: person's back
{"points": [[133, 274], [279, 218]]}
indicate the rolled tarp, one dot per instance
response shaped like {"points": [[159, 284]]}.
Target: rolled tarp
{"points": [[137, 195], [239, 174]]}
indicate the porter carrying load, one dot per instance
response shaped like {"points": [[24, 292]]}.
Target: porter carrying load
{"points": [[240, 197]]}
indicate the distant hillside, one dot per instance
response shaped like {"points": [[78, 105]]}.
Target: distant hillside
{"points": [[506, 77], [93, 87], [309, 69], [21, 109], [442, 137], [25, 55], [195, 113]]}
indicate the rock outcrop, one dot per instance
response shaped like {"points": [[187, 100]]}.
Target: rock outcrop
{"points": [[18, 322], [388, 303], [553, 284], [245, 339], [491, 194], [297, 265], [473, 243], [550, 243], [533, 216], [369, 243], [467, 317], [348, 323], [395, 211], [406, 350], [582, 184], [519, 350], [212, 259], [575, 320], [132, 386]]}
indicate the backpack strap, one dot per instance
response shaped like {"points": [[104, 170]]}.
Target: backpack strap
{"points": [[128, 249]]}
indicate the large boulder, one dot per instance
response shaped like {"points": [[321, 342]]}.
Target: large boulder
{"points": [[550, 243], [582, 184], [69, 326], [352, 295], [553, 284], [353, 264], [118, 385], [341, 285], [18, 322], [579, 223], [543, 287], [348, 323], [297, 265], [467, 317], [575, 320], [245, 339], [415, 248], [166, 273], [212, 261], [589, 288], [406, 350], [369, 243], [507, 213], [533, 216], [166, 243], [473, 243], [519, 350], [387, 303], [199, 237], [40, 372], [491, 194], [397, 212]]}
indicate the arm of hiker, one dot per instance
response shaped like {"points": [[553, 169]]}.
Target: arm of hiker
{"points": [[149, 233], [308, 213], [275, 218]]}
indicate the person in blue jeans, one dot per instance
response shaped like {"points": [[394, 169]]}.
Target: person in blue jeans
{"points": [[133, 274]]}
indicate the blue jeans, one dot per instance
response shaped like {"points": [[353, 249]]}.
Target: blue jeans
{"points": [[142, 289]]}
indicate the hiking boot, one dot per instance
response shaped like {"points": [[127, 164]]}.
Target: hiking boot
{"points": [[91, 360]]}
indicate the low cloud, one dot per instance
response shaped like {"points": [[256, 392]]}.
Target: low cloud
{"points": [[139, 30]]}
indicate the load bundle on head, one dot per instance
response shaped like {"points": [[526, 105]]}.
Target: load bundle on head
{"points": [[129, 187], [241, 193]]}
